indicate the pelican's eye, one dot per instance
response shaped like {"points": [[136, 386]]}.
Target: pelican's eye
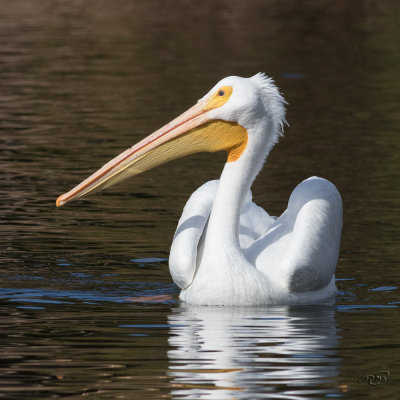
{"points": [[218, 98]]}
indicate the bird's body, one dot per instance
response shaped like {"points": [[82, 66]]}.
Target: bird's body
{"points": [[227, 250], [285, 260]]}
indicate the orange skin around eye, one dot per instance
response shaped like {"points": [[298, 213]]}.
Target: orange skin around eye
{"points": [[217, 100]]}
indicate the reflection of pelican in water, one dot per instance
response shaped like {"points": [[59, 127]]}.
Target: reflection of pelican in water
{"points": [[246, 353], [227, 250]]}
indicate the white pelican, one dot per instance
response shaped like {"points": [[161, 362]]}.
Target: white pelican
{"points": [[227, 250]]}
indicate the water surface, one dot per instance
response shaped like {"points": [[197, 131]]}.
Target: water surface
{"points": [[81, 81]]}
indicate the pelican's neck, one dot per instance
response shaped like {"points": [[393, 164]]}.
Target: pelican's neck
{"points": [[234, 184], [223, 226]]}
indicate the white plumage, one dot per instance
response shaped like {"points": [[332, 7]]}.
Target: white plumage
{"points": [[285, 260], [227, 250]]}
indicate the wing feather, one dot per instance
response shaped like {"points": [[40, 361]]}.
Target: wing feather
{"points": [[186, 242], [301, 248]]}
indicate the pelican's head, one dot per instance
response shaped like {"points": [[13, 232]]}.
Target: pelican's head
{"points": [[236, 114], [247, 101]]}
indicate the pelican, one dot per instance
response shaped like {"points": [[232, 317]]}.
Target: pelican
{"points": [[226, 250]]}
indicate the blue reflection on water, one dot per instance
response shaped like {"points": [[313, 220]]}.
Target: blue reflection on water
{"points": [[384, 289], [149, 260], [54, 296], [51, 296], [292, 75], [349, 307]]}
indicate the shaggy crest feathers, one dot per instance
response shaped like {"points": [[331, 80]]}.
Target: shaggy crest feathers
{"points": [[273, 100]]}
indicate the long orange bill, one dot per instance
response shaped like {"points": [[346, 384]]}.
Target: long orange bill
{"points": [[191, 132]]}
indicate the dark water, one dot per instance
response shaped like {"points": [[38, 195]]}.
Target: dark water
{"points": [[81, 81]]}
